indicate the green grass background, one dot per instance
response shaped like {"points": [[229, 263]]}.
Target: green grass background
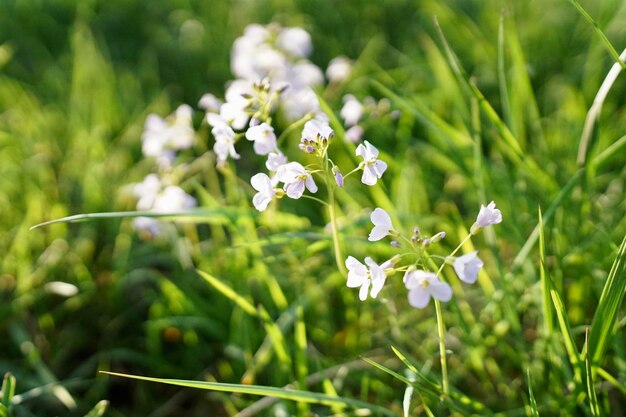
{"points": [[77, 80]]}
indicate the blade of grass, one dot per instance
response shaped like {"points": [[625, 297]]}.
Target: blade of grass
{"points": [[534, 411], [591, 390], [8, 389], [605, 41], [218, 216], [608, 308], [593, 115], [286, 394], [548, 319], [99, 409], [512, 149], [229, 293]]}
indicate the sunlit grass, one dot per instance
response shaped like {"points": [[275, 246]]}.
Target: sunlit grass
{"points": [[493, 104]]}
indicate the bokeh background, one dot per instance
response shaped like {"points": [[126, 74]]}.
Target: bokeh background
{"points": [[77, 80]]}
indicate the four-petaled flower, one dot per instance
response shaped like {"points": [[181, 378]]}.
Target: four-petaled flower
{"points": [[486, 217], [263, 137], [382, 225], [373, 169], [423, 285], [262, 183], [467, 267], [296, 178], [363, 276]]}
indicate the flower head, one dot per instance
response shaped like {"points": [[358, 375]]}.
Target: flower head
{"points": [[423, 285], [296, 178], [263, 137], [373, 169], [382, 225], [467, 267], [486, 217], [351, 111], [262, 183], [363, 276]]}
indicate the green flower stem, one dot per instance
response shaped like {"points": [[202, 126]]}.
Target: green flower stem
{"points": [[441, 330], [333, 223]]}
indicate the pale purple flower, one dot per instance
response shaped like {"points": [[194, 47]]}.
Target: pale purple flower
{"points": [[262, 183], [363, 276], [423, 285], [351, 111], [373, 169], [173, 199], [354, 134], [382, 225], [296, 178], [274, 160], [316, 130], [263, 137], [339, 69], [224, 143], [162, 137], [338, 177], [486, 217], [467, 267]]}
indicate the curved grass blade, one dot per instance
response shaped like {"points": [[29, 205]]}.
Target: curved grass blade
{"points": [[285, 394], [222, 215]]}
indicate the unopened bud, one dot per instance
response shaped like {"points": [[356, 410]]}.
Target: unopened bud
{"points": [[395, 243], [436, 238]]}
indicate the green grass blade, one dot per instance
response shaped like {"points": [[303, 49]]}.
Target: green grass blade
{"points": [[611, 380], [566, 331], [591, 390], [285, 394], [534, 410], [220, 215], [8, 389], [548, 318], [511, 148], [229, 293], [610, 302], [99, 409], [605, 41]]}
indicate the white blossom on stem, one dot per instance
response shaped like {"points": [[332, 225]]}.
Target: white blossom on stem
{"points": [[423, 285], [467, 267], [373, 169], [382, 225], [263, 137], [296, 178], [363, 276], [487, 216], [262, 183]]}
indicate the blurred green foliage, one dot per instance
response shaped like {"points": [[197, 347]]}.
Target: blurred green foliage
{"points": [[77, 80]]}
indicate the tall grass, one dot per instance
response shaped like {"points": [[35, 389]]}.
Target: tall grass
{"points": [[493, 98]]}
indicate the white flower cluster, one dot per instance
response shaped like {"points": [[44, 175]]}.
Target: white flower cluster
{"points": [[422, 285], [161, 139]]}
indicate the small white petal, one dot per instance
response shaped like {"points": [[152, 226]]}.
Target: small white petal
{"points": [[363, 290], [440, 290], [419, 297]]}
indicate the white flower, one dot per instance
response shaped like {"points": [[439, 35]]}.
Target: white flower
{"points": [[274, 160], [467, 267], [209, 103], [262, 183], [382, 225], [296, 178], [423, 285], [339, 69], [486, 217], [351, 111], [224, 143], [161, 137], [361, 276], [354, 134], [373, 169], [173, 199], [316, 130], [295, 41], [146, 192], [263, 137]]}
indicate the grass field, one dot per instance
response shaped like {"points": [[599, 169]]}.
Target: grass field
{"points": [[520, 103]]}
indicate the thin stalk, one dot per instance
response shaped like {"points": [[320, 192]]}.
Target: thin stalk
{"points": [[441, 330], [335, 232]]}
